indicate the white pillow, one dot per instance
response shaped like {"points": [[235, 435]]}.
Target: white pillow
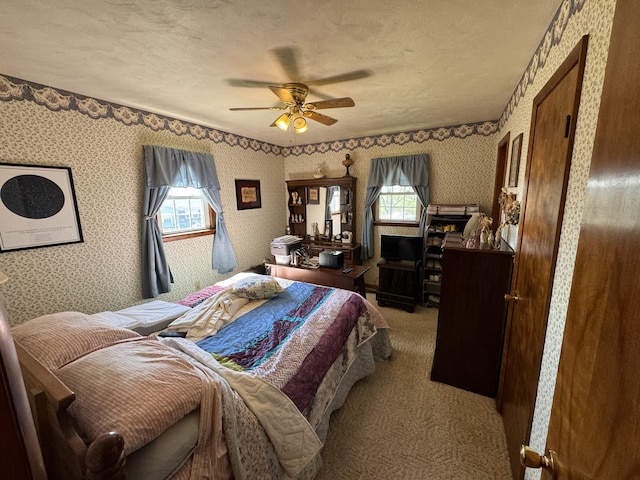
{"points": [[257, 287]]}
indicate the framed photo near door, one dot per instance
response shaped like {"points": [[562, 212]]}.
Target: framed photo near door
{"points": [[514, 165]]}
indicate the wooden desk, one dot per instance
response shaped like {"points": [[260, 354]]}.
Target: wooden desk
{"points": [[354, 280]]}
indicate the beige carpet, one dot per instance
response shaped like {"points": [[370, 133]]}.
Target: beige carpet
{"points": [[398, 424]]}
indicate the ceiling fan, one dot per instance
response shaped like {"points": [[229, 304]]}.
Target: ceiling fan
{"points": [[293, 95]]}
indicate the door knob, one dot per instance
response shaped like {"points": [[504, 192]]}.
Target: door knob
{"points": [[529, 458], [511, 298]]}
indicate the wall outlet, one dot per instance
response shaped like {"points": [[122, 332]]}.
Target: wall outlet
{"points": [[198, 285]]}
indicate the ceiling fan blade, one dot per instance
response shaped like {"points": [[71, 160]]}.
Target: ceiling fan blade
{"points": [[319, 117], [287, 57], [344, 77], [256, 108], [332, 103], [283, 94], [241, 82]]}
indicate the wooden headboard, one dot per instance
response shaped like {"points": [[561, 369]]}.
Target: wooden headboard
{"points": [[65, 454]]}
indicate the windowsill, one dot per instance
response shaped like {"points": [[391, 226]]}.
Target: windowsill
{"points": [[387, 223], [183, 236]]}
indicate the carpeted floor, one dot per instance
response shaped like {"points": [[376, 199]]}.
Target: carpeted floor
{"points": [[398, 424]]}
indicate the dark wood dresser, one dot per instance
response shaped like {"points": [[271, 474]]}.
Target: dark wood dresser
{"points": [[472, 315]]}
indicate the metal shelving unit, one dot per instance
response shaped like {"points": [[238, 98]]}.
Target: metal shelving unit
{"points": [[441, 219]]}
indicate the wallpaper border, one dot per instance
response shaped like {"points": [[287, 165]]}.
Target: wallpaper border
{"points": [[550, 39], [15, 89]]}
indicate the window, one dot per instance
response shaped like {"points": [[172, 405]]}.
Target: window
{"points": [[397, 204], [185, 213]]}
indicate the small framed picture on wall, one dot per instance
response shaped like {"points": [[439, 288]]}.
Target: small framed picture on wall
{"points": [[514, 165], [328, 228], [248, 194], [314, 196]]}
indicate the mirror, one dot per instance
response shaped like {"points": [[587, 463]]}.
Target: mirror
{"points": [[310, 208], [318, 213]]}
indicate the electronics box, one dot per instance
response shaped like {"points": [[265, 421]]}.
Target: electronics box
{"points": [[331, 259], [282, 246]]}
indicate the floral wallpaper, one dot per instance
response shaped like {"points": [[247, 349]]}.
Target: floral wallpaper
{"points": [[102, 143], [106, 159], [461, 171]]}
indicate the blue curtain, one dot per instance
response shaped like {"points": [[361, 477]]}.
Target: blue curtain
{"points": [[166, 168], [409, 170]]}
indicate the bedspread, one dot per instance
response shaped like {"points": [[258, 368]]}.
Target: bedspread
{"points": [[289, 341], [275, 354]]}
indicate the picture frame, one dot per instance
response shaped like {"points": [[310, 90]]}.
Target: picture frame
{"points": [[248, 194], [514, 164], [313, 196], [38, 207], [328, 229]]}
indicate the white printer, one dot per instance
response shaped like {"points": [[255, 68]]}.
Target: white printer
{"points": [[282, 247]]}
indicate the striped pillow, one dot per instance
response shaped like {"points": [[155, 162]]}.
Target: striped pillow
{"points": [[60, 338]]}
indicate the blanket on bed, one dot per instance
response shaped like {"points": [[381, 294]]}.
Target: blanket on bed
{"points": [[313, 337], [275, 354]]}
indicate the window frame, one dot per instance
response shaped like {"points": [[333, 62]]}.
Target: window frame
{"points": [[397, 223], [172, 237]]}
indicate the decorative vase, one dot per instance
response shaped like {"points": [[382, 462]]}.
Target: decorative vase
{"points": [[347, 162], [498, 239]]}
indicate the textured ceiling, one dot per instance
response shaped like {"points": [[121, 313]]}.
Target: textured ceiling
{"points": [[418, 63]]}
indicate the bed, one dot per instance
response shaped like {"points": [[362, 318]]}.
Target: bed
{"points": [[237, 380]]}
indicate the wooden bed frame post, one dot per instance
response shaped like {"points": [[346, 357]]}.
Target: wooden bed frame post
{"points": [[65, 454]]}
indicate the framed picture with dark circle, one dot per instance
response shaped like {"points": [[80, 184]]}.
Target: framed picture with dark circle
{"points": [[514, 165], [38, 207], [248, 194]]}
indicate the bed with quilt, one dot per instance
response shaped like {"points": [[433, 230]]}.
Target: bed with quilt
{"points": [[237, 380]]}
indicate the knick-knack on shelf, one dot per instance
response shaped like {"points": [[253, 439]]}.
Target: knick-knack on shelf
{"points": [[347, 162]]}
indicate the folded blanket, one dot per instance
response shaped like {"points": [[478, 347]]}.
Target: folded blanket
{"points": [[208, 317]]}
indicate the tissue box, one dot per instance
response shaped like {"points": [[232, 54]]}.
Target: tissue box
{"points": [[331, 259]]}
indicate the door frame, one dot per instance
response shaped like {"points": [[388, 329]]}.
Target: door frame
{"points": [[499, 181]]}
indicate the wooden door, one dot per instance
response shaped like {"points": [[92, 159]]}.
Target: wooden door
{"points": [[595, 421], [550, 147]]}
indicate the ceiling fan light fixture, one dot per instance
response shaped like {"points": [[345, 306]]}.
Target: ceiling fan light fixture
{"points": [[300, 124], [282, 122]]}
